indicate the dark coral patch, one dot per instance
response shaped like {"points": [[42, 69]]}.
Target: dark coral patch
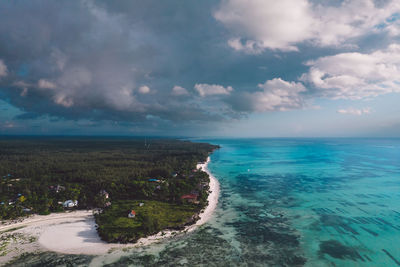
{"points": [[337, 250]]}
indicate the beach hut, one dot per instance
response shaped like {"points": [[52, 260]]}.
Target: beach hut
{"points": [[132, 214], [59, 188], [190, 198], [70, 203]]}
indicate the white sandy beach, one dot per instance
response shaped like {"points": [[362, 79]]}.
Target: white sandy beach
{"points": [[75, 232], [212, 198]]}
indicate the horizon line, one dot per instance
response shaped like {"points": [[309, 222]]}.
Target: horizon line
{"points": [[198, 137]]}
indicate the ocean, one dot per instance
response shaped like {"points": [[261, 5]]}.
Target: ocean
{"points": [[286, 202]]}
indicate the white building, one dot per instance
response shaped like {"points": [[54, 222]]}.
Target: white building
{"points": [[70, 203]]}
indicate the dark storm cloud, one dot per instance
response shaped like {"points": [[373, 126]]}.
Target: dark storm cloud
{"points": [[162, 63], [87, 59], [90, 59]]}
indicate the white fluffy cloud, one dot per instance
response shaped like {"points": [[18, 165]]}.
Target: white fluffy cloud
{"points": [[144, 89], [334, 25], [3, 69], [278, 94], [179, 91], [275, 95], [260, 24], [354, 111], [356, 75], [45, 84], [212, 89], [63, 100]]}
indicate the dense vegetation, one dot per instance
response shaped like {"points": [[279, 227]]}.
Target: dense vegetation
{"points": [[152, 217], [37, 175]]}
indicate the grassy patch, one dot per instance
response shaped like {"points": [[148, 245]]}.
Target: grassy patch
{"points": [[3, 248], [152, 217], [11, 230], [16, 238]]}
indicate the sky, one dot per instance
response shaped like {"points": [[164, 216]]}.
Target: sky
{"points": [[234, 68]]}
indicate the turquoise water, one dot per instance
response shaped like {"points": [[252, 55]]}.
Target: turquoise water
{"points": [[287, 202], [334, 202]]}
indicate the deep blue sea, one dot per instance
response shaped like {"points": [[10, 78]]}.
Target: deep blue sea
{"points": [[288, 202]]}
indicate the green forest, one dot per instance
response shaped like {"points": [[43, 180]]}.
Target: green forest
{"points": [[111, 175]]}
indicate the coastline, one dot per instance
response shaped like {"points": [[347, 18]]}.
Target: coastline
{"points": [[212, 197], [204, 215], [77, 230]]}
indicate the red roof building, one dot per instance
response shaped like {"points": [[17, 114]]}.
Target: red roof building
{"points": [[190, 196], [132, 214]]}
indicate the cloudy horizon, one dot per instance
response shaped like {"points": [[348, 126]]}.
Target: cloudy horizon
{"points": [[247, 68]]}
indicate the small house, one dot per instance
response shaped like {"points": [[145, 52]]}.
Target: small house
{"points": [[70, 203], [141, 204], [154, 180], [104, 193], [59, 188], [132, 214], [192, 198]]}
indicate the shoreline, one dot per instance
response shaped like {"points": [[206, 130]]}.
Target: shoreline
{"points": [[204, 215], [78, 232]]}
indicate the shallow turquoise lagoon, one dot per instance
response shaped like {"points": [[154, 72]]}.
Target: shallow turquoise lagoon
{"points": [[329, 202], [287, 202]]}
